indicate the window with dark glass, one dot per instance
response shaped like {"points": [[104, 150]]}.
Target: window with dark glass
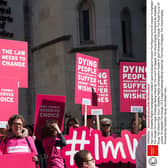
{"points": [[86, 28], [85, 22], [124, 37], [126, 32]]}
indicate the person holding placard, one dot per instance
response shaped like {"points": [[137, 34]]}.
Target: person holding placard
{"points": [[135, 127], [91, 122], [106, 125]]}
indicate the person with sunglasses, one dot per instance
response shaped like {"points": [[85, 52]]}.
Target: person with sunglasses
{"points": [[72, 122], [84, 159], [106, 125]]}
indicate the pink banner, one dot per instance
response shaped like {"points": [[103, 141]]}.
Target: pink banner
{"points": [[13, 61], [8, 99], [104, 106], [17, 161], [48, 107], [86, 78], [103, 149], [132, 87]]}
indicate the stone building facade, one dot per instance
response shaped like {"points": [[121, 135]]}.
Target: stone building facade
{"points": [[111, 30]]}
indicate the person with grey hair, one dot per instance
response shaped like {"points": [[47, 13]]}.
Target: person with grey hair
{"points": [[106, 125]]}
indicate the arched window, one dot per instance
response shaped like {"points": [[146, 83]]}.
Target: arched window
{"points": [[126, 32], [85, 11]]}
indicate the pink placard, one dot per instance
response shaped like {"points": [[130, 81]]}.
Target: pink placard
{"points": [[103, 149], [13, 61], [8, 99], [86, 78], [48, 107], [17, 161], [104, 106], [132, 87]]}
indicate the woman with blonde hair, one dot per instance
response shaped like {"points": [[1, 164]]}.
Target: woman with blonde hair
{"points": [[106, 125]]}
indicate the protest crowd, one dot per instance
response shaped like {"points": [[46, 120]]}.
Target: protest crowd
{"points": [[57, 141], [19, 138]]}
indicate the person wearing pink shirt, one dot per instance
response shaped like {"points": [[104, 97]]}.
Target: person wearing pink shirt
{"points": [[91, 121], [53, 141], [16, 138]]}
